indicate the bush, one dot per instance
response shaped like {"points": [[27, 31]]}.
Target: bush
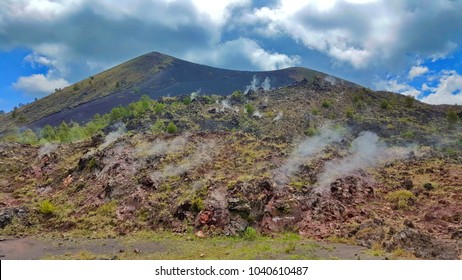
{"points": [[401, 198], [197, 205], [452, 116], [409, 101], [118, 113], [186, 100], [159, 108], [311, 131], [249, 109], [48, 133], [29, 137], [408, 135], [349, 112], [158, 127], [46, 208], [385, 105], [250, 234], [172, 128], [326, 104]]}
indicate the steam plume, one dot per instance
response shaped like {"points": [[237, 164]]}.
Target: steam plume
{"points": [[303, 151], [366, 151]]}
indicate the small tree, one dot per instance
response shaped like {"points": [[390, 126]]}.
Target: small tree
{"points": [[452, 116], [158, 127], [29, 137], [385, 104], [48, 133], [172, 128], [326, 104], [409, 101], [249, 109]]}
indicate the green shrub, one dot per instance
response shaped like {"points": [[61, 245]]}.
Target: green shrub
{"points": [[249, 109], [118, 113], [46, 208], [401, 198], [409, 101], [326, 104], [315, 111], [250, 234], [311, 131], [408, 135], [197, 205], [172, 128], [452, 116], [385, 105], [186, 100], [159, 107], [29, 137], [158, 127], [349, 112], [48, 133]]}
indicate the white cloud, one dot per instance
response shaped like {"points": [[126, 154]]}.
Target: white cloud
{"points": [[395, 86], [39, 85], [246, 49], [219, 11], [76, 38], [448, 91], [417, 71], [364, 33]]}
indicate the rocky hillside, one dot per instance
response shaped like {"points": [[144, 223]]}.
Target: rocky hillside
{"points": [[322, 159]]}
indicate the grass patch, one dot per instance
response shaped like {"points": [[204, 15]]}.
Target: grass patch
{"points": [[401, 199]]}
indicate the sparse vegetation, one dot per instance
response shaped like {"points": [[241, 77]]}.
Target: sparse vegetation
{"points": [[402, 199], [46, 208], [172, 128], [311, 131], [326, 104], [452, 116], [250, 234], [180, 158], [158, 127], [249, 109], [349, 113], [409, 101], [384, 104]]}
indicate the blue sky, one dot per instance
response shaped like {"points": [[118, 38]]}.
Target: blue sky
{"points": [[409, 47]]}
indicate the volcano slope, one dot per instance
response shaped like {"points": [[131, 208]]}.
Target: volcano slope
{"points": [[153, 74], [327, 161]]}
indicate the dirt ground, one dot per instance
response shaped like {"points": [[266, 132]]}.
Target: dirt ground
{"points": [[38, 248]]}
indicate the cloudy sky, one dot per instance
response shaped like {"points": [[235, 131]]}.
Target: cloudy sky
{"points": [[410, 47]]}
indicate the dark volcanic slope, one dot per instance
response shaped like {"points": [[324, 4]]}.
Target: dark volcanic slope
{"points": [[153, 74]]}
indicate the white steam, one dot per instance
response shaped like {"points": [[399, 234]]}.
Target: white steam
{"points": [[160, 147], [331, 80], [255, 84], [366, 151], [47, 149], [113, 136], [304, 151], [278, 117], [257, 114], [266, 85], [204, 153], [195, 94]]}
